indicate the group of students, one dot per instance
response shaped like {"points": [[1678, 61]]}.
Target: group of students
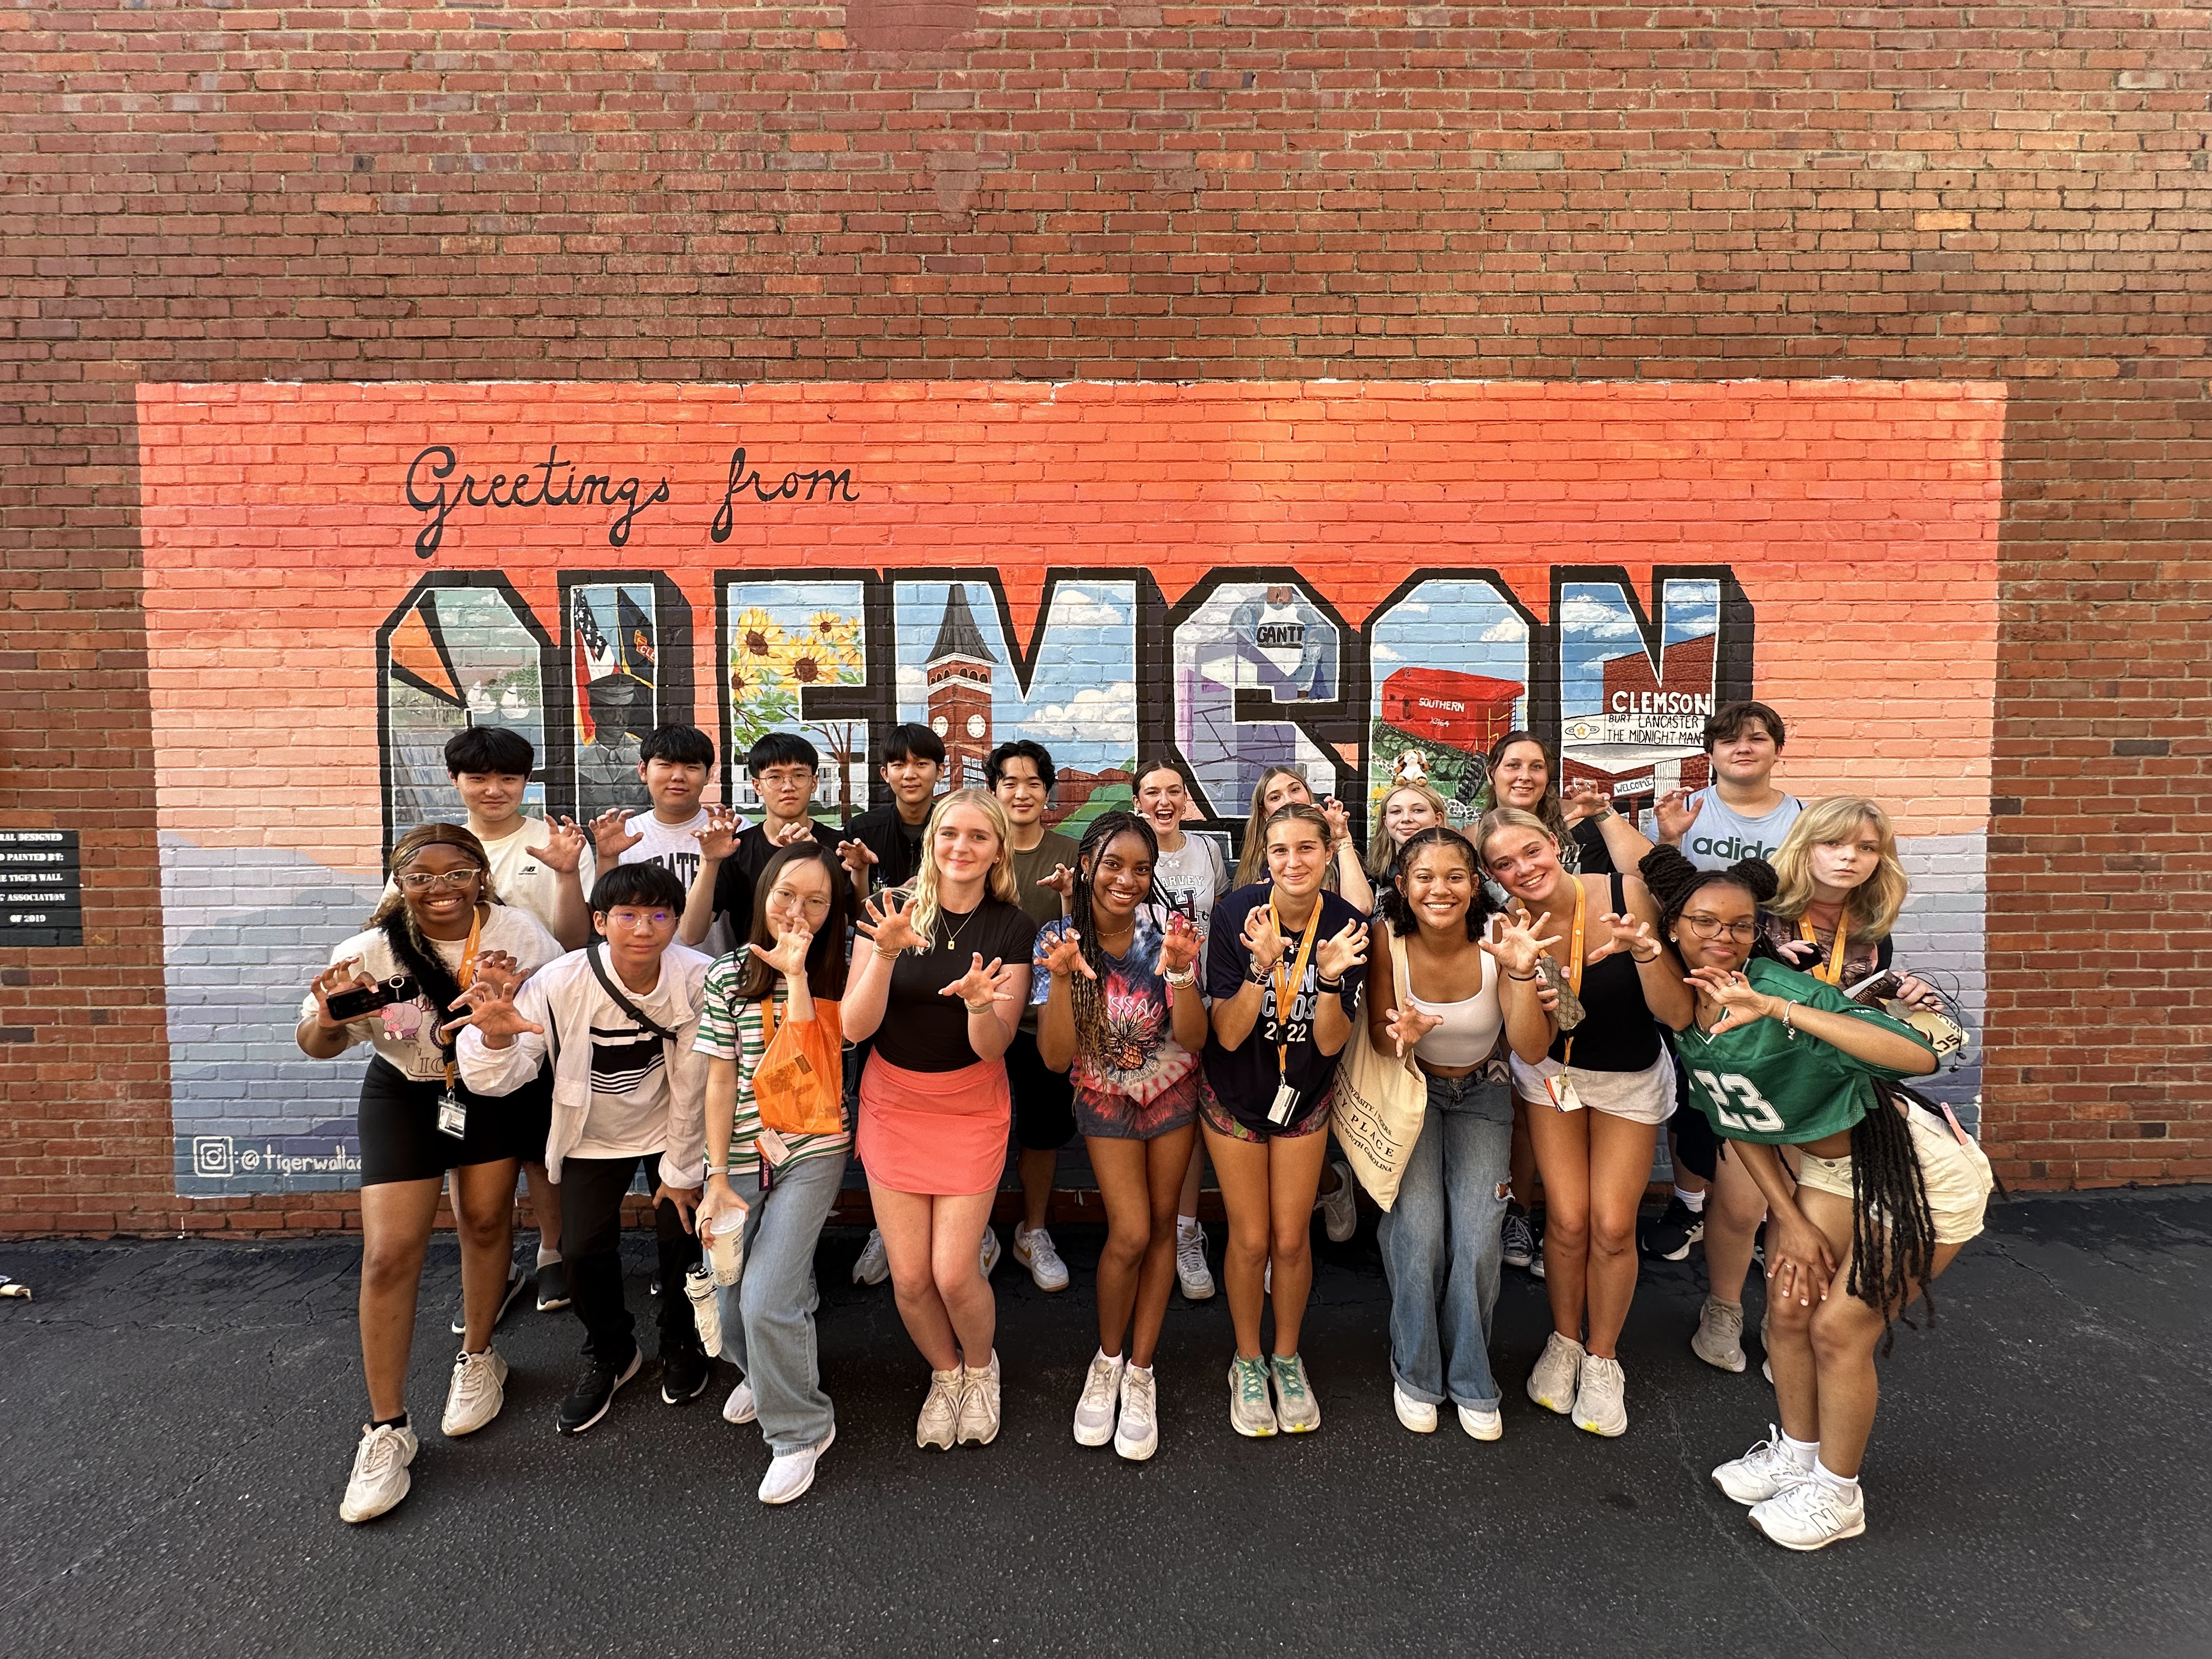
{"points": [[1558, 984]]}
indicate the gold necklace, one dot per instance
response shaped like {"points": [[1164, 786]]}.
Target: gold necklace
{"points": [[952, 936]]}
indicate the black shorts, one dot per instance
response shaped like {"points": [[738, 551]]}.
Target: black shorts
{"points": [[400, 1139], [1044, 1102], [1696, 1149]]}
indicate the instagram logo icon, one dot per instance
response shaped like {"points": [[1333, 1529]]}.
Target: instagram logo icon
{"points": [[211, 1155]]}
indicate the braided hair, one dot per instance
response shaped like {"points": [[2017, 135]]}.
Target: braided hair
{"points": [[1087, 994], [1892, 1234], [395, 918]]}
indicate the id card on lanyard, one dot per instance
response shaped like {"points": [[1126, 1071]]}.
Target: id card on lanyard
{"points": [[453, 1116], [1833, 973], [1286, 1003], [768, 1148]]}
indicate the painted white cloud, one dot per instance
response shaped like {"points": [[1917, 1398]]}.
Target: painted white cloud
{"points": [[1509, 630], [1590, 619], [1107, 714], [1073, 608]]}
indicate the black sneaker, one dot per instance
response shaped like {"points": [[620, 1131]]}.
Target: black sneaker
{"points": [[594, 1392], [1670, 1239], [553, 1287], [684, 1374], [515, 1280]]}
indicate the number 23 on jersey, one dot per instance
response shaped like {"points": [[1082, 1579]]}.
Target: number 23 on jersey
{"points": [[1738, 1104]]}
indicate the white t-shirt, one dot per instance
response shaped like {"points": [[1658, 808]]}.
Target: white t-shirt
{"points": [[673, 846], [1719, 837], [1191, 879], [628, 1117], [405, 1033]]}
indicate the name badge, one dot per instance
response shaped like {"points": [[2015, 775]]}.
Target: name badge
{"points": [[1561, 1088], [1287, 1101], [452, 1118]]}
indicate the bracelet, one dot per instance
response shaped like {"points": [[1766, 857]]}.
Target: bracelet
{"points": [[888, 955], [1180, 981], [1523, 978], [1256, 975], [1789, 1029], [1336, 984], [713, 1170], [1647, 961], [979, 1007]]}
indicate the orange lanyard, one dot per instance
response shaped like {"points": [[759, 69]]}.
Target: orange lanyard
{"points": [[1833, 973], [1286, 995], [467, 977]]}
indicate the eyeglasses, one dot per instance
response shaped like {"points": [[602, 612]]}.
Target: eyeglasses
{"points": [[812, 907], [422, 881], [1712, 928], [639, 918]]}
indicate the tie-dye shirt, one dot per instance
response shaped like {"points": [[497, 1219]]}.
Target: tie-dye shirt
{"points": [[1140, 1068]]}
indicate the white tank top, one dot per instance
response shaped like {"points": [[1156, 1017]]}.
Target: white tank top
{"points": [[1470, 1027]]}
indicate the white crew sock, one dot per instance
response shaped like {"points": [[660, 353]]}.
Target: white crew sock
{"points": [[1693, 1202], [546, 1258], [1806, 1453], [1846, 1486], [1136, 1370], [1186, 1225]]}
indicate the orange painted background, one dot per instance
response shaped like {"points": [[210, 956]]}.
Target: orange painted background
{"points": [[1858, 519]]}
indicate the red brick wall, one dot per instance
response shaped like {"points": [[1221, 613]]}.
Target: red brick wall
{"points": [[888, 191]]}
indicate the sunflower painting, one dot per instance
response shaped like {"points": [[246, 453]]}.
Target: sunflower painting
{"points": [[780, 640]]}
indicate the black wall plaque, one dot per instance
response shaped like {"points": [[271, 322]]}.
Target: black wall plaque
{"points": [[41, 889]]}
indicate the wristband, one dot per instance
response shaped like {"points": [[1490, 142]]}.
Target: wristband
{"points": [[1523, 979], [1336, 984], [1180, 981], [1256, 975], [713, 1170]]}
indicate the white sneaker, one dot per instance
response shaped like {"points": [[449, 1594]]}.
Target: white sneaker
{"points": [[1138, 1435], [740, 1406], [990, 1258], [1419, 1415], [1559, 1371], [1191, 1271], [1297, 1409], [979, 1403], [1765, 1471], [1811, 1514], [1251, 1407], [1598, 1406], [1481, 1424], [940, 1411], [875, 1263], [790, 1474], [1719, 1339], [1094, 1410], [379, 1477], [1033, 1250], [476, 1393], [1339, 1210]]}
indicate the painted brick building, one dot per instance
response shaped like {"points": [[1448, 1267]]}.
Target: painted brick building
{"points": [[1228, 358]]}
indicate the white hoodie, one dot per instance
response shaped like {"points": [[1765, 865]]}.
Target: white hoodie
{"points": [[564, 996]]}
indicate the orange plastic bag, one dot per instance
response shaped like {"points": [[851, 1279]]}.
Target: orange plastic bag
{"points": [[799, 1084]]}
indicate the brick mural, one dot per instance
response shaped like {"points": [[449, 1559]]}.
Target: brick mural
{"points": [[1361, 582]]}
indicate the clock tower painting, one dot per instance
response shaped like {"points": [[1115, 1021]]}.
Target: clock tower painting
{"points": [[959, 672]]}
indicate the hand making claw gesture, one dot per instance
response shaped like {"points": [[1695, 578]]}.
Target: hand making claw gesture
{"points": [[1630, 933], [564, 846], [498, 969], [1407, 1026], [1674, 812], [1344, 950], [720, 838], [890, 922], [611, 836], [789, 955], [1178, 945], [982, 986], [858, 859], [1340, 821], [491, 1010], [1265, 944], [1740, 1004], [1065, 956], [1515, 945], [1061, 881], [790, 832], [349, 976], [1583, 797]]}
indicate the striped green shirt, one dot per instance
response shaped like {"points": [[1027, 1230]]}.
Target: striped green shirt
{"points": [[732, 1029]]}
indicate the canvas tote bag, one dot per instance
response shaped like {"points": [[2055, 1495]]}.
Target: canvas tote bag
{"points": [[1380, 1099]]}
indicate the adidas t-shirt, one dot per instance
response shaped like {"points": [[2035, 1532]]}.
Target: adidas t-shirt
{"points": [[628, 1115], [1719, 837], [1757, 1082]]}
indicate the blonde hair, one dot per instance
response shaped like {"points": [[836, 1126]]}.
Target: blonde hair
{"points": [[999, 884], [1382, 852], [1508, 817], [1871, 909], [1252, 862]]}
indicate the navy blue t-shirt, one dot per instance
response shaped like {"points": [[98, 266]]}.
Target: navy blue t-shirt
{"points": [[1244, 1078]]}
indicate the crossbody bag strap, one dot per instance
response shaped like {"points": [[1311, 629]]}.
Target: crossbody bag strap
{"points": [[614, 991]]}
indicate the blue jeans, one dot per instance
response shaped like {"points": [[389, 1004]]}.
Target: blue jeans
{"points": [[767, 1315], [1441, 1246]]}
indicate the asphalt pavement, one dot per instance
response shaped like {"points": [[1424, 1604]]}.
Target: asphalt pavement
{"points": [[180, 1418]]}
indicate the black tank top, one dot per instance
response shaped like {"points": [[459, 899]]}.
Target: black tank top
{"points": [[1617, 1033]]}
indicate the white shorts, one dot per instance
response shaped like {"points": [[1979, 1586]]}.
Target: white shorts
{"points": [[1957, 1176], [1644, 1096]]}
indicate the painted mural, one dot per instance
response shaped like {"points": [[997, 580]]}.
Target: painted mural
{"points": [[1365, 583]]}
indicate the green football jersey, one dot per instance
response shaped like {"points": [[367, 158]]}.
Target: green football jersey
{"points": [[1757, 1082]]}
